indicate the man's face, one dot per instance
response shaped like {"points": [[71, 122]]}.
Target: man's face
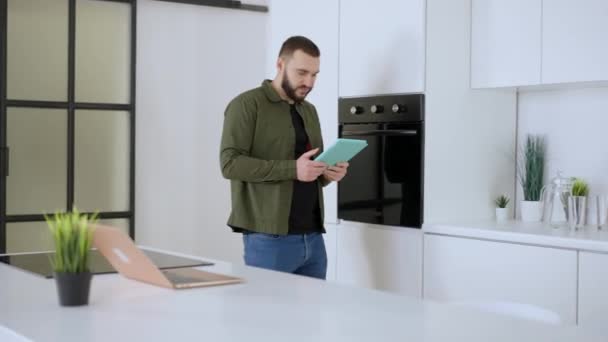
{"points": [[299, 75]]}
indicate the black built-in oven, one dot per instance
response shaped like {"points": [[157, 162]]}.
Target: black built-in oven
{"points": [[384, 184]]}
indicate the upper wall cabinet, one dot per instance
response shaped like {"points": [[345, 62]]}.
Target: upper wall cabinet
{"points": [[531, 42], [506, 43], [382, 47], [575, 41]]}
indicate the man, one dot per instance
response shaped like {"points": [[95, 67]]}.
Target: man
{"points": [[269, 138]]}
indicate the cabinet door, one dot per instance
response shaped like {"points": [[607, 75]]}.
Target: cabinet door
{"points": [[317, 20], [331, 238], [468, 270], [506, 43], [575, 44], [382, 46], [379, 257], [593, 283]]}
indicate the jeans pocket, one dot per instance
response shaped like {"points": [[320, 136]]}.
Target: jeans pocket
{"points": [[266, 236]]}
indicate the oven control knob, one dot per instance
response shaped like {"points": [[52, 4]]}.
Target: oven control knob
{"points": [[398, 108], [355, 110], [376, 109]]}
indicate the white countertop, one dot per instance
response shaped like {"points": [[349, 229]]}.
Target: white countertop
{"points": [[270, 306], [587, 239]]}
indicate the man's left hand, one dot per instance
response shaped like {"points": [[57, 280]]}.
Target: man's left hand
{"points": [[336, 173]]}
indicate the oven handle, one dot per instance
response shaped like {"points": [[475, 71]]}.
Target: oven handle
{"points": [[392, 132]]}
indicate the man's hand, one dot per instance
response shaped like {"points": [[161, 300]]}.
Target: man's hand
{"points": [[336, 173], [309, 170]]}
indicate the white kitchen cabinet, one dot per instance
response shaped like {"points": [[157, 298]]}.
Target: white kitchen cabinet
{"points": [[506, 43], [382, 46], [380, 257], [317, 20], [575, 41], [593, 289], [477, 271], [538, 42], [330, 238]]}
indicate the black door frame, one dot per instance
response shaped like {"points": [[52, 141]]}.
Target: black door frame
{"points": [[70, 106]]}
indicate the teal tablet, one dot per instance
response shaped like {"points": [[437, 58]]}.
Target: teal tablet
{"points": [[342, 150]]}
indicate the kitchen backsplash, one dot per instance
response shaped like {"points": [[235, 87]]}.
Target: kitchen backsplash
{"points": [[575, 124]]}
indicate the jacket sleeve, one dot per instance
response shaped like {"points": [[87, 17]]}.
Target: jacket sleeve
{"points": [[324, 181], [235, 150]]}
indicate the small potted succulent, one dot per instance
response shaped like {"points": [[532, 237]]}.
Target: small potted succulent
{"points": [[577, 204], [72, 235], [501, 207]]}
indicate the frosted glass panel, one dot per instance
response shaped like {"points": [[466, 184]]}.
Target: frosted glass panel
{"points": [[37, 50], [28, 237], [37, 180], [101, 160], [122, 224], [103, 38], [35, 237]]}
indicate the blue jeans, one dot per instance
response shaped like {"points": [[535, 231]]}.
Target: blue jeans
{"points": [[302, 254]]}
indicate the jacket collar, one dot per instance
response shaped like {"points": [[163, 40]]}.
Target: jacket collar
{"points": [[271, 94]]}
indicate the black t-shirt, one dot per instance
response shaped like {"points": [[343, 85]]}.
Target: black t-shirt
{"points": [[305, 213]]}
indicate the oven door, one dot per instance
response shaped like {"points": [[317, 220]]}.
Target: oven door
{"points": [[384, 181]]}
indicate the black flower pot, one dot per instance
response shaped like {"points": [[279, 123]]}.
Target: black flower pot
{"points": [[73, 288]]}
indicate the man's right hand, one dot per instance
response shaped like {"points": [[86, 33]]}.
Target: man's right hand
{"points": [[308, 170]]}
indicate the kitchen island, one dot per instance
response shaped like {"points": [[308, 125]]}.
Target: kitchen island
{"points": [[269, 306]]}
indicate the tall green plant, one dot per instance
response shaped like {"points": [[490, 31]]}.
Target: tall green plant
{"points": [[532, 167], [73, 236]]}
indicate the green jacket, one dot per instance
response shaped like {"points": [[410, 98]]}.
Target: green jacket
{"points": [[257, 155]]}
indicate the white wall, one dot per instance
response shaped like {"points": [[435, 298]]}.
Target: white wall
{"points": [[470, 134], [191, 61], [575, 123]]}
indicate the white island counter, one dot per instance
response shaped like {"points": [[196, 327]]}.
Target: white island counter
{"points": [[270, 306]]}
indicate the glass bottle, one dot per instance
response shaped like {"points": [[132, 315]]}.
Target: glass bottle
{"points": [[555, 198]]}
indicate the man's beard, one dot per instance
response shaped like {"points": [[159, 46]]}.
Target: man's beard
{"points": [[290, 91]]}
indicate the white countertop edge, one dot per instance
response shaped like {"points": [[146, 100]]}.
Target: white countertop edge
{"points": [[512, 232]]}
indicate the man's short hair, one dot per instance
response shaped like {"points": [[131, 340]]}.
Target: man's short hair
{"points": [[292, 44]]}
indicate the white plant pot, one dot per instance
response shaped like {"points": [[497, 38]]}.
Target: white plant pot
{"points": [[531, 211], [502, 214]]}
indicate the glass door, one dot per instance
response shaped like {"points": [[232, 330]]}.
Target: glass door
{"points": [[67, 114]]}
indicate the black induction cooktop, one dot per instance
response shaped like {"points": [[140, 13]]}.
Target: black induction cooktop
{"points": [[39, 263]]}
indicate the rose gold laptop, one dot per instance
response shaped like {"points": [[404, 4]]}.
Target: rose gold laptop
{"points": [[131, 262]]}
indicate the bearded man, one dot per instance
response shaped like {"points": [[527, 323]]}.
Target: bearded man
{"points": [[269, 139]]}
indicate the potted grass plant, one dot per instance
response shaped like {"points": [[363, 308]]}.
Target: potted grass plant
{"points": [[577, 204], [72, 235], [531, 169], [501, 207]]}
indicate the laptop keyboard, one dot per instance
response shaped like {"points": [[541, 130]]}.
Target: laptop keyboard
{"points": [[179, 279]]}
